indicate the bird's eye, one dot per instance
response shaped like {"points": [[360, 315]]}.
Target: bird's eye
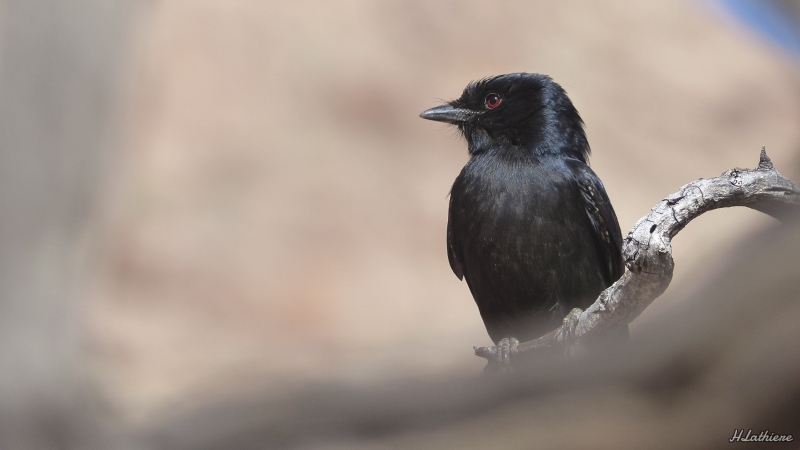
{"points": [[492, 101]]}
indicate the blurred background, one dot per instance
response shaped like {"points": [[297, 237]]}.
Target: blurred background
{"points": [[203, 196]]}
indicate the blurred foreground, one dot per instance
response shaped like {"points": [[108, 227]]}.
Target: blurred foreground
{"points": [[209, 201]]}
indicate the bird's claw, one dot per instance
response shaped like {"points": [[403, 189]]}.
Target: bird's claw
{"points": [[502, 355], [507, 347]]}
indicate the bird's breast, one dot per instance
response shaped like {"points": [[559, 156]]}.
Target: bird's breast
{"points": [[518, 217], [493, 192]]}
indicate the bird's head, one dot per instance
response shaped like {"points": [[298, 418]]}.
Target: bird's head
{"points": [[521, 112]]}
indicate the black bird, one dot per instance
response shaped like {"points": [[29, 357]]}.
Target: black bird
{"points": [[530, 225]]}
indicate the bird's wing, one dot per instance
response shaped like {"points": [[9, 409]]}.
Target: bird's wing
{"points": [[453, 246], [608, 237]]}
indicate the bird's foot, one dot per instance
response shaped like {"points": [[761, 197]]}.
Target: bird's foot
{"points": [[566, 335], [500, 356]]}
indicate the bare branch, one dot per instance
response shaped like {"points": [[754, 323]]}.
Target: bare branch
{"points": [[648, 252]]}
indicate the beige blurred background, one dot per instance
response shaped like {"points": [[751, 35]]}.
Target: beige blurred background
{"points": [[272, 211]]}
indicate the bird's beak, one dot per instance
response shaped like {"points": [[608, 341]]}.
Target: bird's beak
{"points": [[447, 113]]}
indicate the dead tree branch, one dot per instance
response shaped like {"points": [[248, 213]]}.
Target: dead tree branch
{"points": [[648, 252]]}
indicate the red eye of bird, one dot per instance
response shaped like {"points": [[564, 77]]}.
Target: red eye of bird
{"points": [[492, 100]]}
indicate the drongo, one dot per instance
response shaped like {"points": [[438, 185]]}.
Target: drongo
{"points": [[530, 226]]}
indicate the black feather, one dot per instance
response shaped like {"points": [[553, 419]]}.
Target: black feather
{"points": [[530, 226]]}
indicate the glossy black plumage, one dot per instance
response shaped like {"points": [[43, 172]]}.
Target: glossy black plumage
{"points": [[530, 226]]}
